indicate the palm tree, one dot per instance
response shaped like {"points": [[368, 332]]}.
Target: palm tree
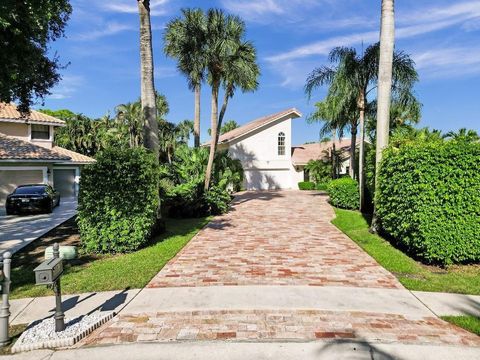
{"points": [[184, 40], [129, 115], [384, 91], [353, 78], [228, 126], [241, 71], [227, 56], [149, 111], [463, 134], [338, 113]]}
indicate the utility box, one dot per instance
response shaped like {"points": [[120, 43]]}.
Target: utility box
{"points": [[48, 271]]}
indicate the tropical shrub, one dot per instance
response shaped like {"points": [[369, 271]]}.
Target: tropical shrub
{"points": [[320, 171], [306, 185], [429, 200], [344, 193], [182, 183], [118, 200]]}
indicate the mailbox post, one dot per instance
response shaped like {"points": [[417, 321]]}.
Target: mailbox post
{"points": [[48, 273], [5, 307]]}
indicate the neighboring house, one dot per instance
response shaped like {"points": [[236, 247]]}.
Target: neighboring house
{"points": [[29, 156], [264, 146], [302, 154]]}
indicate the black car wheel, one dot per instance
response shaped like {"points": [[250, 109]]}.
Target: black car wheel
{"points": [[9, 211], [50, 207]]}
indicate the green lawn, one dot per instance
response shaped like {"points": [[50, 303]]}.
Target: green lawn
{"points": [[114, 272], [412, 274], [468, 322]]}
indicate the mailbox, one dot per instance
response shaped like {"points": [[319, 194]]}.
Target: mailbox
{"points": [[48, 271]]}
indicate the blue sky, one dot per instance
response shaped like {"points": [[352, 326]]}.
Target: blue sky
{"points": [[292, 37]]}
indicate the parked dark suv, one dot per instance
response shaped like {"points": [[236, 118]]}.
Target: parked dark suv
{"points": [[32, 198]]}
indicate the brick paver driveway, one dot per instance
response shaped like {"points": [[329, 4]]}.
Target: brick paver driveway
{"points": [[274, 238], [275, 268]]}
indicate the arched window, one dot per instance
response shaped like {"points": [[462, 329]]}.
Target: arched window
{"points": [[281, 143]]}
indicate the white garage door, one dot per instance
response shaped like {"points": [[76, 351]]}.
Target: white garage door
{"points": [[10, 179], [258, 179], [64, 182]]}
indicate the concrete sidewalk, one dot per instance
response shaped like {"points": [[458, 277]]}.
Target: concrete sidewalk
{"points": [[222, 350], [27, 310]]}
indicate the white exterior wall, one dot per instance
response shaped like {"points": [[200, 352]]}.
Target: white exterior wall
{"points": [[258, 152]]}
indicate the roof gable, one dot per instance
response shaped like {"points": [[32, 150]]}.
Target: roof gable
{"points": [[258, 124], [10, 113]]}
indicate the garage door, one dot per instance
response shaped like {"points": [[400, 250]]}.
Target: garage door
{"points": [[64, 182], [257, 179], [10, 179]]}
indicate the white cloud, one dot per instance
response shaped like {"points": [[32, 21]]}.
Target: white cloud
{"points": [[157, 7], [110, 28], [66, 87], [448, 62], [426, 20]]}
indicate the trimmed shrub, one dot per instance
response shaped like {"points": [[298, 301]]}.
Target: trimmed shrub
{"points": [[344, 193], [118, 200], [429, 200], [321, 186], [306, 185]]}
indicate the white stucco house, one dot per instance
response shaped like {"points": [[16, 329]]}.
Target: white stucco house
{"points": [[28, 154], [264, 146]]}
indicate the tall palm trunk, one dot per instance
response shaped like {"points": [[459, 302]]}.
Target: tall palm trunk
{"points": [[387, 41], [196, 120], [353, 142], [334, 155], [147, 96], [223, 109], [214, 129], [361, 155], [149, 111]]}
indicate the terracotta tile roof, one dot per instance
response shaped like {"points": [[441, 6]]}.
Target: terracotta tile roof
{"points": [[257, 123], [302, 154], [15, 149], [10, 112], [75, 157]]}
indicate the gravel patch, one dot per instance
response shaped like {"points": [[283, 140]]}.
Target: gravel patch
{"points": [[41, 334]]}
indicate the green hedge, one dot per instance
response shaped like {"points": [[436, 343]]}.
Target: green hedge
{"points": [[118, 200], [429, 200], [306, 185], [321, 186], [344, 193]]}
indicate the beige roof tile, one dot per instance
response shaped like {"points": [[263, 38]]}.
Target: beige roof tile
{"points": [[75, 157], [15, 149], [302, 154], [10, 112]]}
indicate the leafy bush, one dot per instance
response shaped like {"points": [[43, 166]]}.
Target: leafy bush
{"points": [[306, 185], [183, 179], [320, 171], [344, 193], [429, 200], [118, 200], [321, 186]]}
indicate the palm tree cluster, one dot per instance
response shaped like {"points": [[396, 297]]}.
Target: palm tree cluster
{"points": [[210, 47], [88, 136], [351, 79]]}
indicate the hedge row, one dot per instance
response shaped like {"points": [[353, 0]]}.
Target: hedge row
{"points": [[429, 200]]}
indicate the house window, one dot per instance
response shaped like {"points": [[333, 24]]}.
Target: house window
{"points": [[281, 143], [40, 132]]}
